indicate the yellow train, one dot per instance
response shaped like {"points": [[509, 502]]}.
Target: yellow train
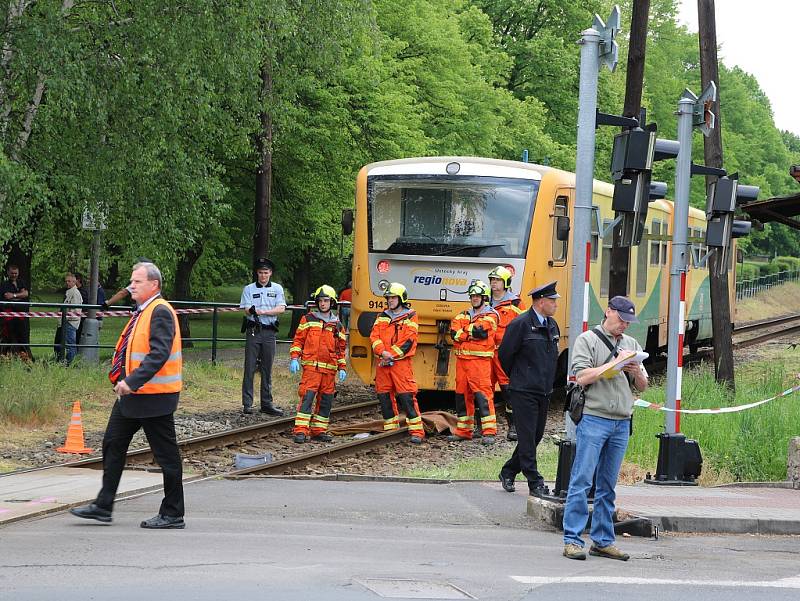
{"points": [[435, 224]]}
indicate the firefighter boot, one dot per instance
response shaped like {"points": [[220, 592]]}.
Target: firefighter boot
{"points": [[390, 420], [303, 418], [488, 420], [413, 418], [319, 422]]}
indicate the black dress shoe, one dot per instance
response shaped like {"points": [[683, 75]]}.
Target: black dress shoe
{"points": [[92, 512], [507, 483], [163, 522], [248, 411], [540, 490], [272, 410]]}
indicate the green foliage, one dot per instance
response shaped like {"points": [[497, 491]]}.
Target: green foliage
{"points": [[150, 114], [746, 446], [747, 271], [787, 263]]}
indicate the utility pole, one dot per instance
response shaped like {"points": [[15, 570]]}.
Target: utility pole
{"points": [[620, 255], [712, 146]]}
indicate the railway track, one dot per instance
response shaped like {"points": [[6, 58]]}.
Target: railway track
{"points": [[785, 323], [238, 436]]}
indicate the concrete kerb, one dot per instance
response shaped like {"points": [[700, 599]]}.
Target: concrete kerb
{"points": [[551, 514]]}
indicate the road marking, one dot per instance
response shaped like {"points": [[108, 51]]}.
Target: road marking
{"points": [[789, 583]]}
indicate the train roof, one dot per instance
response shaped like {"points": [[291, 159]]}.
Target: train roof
{"points": [[467, 166]]}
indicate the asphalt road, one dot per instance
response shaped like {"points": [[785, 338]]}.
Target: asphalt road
{"points": [[299, 540]]}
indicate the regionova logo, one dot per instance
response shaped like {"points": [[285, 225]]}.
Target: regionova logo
{"points": [[439, 277]]}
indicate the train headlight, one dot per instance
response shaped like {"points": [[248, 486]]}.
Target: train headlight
{"points": [[452, 168], [383, 285], [383, 266]]}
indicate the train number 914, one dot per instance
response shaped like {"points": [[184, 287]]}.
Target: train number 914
{"points": [[373, 304]]}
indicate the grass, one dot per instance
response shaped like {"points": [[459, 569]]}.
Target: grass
{"points": [[737, 447], [36, 399], [487, 467]]}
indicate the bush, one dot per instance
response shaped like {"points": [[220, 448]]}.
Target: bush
{"points": [[768, 269], [787, 263], [747, 271]]}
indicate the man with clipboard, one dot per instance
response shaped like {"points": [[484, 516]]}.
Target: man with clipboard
{"points": [[602, 434]]}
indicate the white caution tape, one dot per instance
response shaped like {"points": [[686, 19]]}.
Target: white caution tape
{"points": [[734, 409]]}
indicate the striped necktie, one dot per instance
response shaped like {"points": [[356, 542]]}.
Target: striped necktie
{"points": [[119, 356]]}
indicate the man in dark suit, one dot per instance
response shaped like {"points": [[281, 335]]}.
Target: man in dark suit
{"points": [[146, 374], [529, 355]]}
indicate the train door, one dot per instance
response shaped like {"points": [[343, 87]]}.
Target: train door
{"points": [[560, 258]]}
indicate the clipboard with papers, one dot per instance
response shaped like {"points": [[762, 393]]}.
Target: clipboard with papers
{"points": [[615, 368]]}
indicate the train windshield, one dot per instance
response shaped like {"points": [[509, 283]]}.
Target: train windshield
{"points": [[451, 216]]}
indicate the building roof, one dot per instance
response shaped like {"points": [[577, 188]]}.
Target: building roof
{"points": [[782, 209]]}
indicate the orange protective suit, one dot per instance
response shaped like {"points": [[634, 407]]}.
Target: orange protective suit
{"points": [[396, 333], [319, 343], [509, 307], [473, 332]]}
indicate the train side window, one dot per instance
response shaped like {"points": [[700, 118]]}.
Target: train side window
{"points": [[664, 232], [605, 267], [641, 268], [595, 235], [655, 245], [559, 246]]}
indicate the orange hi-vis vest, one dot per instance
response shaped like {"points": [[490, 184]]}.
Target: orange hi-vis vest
{"points": [[168, 378], [319, 344], [396, 334], [462, 328], [507, 310]]}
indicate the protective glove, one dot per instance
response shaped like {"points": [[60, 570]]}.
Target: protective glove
{"points": [[252, 310], [294, 366], [478, 333], [342, 375]]}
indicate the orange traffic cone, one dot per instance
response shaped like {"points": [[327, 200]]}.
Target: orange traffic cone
{"points": [[75, 442]]}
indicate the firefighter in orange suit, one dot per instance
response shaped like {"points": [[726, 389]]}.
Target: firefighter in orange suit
{"points": [[508, 306], [474, 332], [319, 346], [394, 342]]}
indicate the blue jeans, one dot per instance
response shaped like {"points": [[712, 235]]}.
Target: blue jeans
{"points": [[69, 342], [601, 445]]}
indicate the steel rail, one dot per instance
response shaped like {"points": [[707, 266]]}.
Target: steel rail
{"points": [[338, 450], [764, 323], [219, 439]]}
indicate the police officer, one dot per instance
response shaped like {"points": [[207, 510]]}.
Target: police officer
{"points": [[262, 302], [529, 355]]}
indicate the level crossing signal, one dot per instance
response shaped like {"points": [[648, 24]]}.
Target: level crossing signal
{"points": [[634, 152], [724, 195]]}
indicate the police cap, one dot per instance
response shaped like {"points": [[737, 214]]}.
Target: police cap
{"points": [[264, 264], [546, 291]]}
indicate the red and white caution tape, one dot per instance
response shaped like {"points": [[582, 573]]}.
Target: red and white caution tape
{"points": [[105, 313], [734, 409], [128, 313]]}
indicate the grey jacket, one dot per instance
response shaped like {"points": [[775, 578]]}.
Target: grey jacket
{"points": [[609, 398]]}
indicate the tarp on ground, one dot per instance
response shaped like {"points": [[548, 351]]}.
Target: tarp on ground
{"points": [[434, 422]]}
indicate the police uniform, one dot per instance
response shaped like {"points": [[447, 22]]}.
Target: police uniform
{"points": [[529, 355], [261, 332]]}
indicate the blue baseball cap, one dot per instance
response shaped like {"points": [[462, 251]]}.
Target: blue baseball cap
{"points": [[625, 308]]}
